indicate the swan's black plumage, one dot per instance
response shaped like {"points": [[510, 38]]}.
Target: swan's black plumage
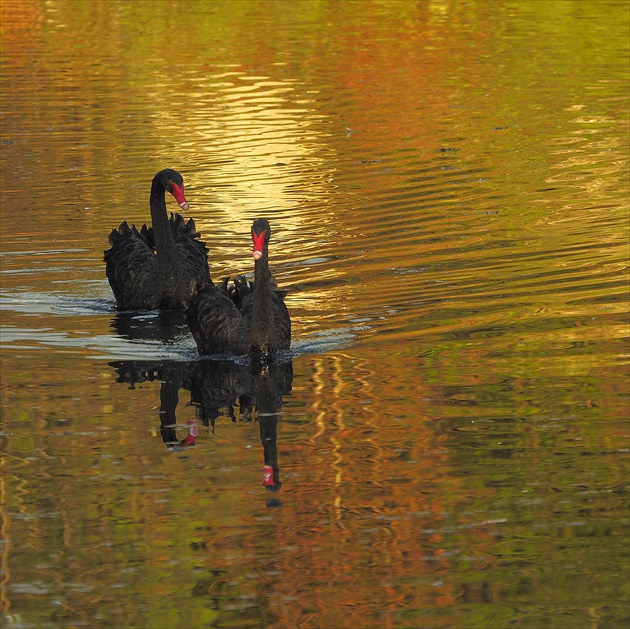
{"points": [[246, 319], [155, 266]]}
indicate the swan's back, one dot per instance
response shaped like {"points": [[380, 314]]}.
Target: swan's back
{"points": [[131, 268], [192, 252], [131, 264], [220, 318], [281, 318], [216, 323]]}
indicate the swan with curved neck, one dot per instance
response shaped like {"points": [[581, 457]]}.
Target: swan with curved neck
{"points": [[255, 321], [154, 267]]}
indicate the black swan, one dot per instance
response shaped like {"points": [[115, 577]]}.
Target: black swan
{"points": [[154, 267], [253, 319]]}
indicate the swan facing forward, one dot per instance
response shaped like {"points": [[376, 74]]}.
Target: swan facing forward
{"points": [[154, 267], [252, 321]]}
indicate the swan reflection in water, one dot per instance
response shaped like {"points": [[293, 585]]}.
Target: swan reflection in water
{"points": [[241, 389]]}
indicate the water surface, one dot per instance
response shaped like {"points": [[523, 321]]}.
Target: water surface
{"points": [[446, 443]]}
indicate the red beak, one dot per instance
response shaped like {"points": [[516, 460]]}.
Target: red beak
{"points": [[259, 244], [178, 193]]}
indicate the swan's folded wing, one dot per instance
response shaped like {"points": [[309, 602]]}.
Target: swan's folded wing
{"points": [[281, 320], [216, 323], [281, 317], [131, 269], [192, 251]]}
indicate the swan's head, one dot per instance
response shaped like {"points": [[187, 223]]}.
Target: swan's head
{"points": [[260, 236], [174, 183]]}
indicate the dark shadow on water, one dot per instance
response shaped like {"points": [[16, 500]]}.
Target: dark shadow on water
{"points": [[167, 326], [239, 389]]}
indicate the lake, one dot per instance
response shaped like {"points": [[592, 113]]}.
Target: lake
{"points": [[446, 443]]}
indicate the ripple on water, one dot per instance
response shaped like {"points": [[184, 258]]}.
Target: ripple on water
{"points": [[447, 187]]}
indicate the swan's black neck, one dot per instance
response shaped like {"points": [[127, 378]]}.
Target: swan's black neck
{"points": [[262, 324], [170, 271]]}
